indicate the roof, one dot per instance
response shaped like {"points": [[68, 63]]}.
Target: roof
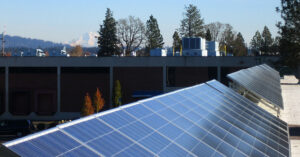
{"points": [[290, 94]]}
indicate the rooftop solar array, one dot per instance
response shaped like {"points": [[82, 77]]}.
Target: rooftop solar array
{"points": [[204, 120], [263, 81]]}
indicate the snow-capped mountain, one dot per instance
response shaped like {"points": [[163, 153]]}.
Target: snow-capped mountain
{"points": [[86, 40]]}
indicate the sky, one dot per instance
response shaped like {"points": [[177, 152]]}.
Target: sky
{"points": [[68, 20]]}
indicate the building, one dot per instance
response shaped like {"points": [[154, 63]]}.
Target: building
{"points": [[203, 120], [53, 88]]}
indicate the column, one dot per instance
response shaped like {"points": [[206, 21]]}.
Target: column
{"points": [[219, 73], [164, 78], [58, 89], [6, 89], [111, 85]]}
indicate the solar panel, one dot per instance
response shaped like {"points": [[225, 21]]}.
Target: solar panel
{"points": [[203, 120], [231, 94], [262, 81]]}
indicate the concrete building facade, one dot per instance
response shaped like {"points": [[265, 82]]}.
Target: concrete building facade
{"points": [[53, 88]]}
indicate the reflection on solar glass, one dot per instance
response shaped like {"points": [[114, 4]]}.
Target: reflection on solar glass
{"points": [[203, 120], [262, 80]]}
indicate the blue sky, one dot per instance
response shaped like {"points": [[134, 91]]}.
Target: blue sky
{"points": [[65, 20]]}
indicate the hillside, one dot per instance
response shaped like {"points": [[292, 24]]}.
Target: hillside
{"points": [[16, 41]]}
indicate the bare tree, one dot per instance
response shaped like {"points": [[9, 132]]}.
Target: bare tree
{"points": [[228, 37], [216, 29], [228, 34], [131, 33]]}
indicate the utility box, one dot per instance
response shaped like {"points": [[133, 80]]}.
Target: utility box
{"points": [[213, 48], [194, 47], [158, 52]]}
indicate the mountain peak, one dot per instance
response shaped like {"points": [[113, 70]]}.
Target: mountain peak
{"points": [[86, 40]]}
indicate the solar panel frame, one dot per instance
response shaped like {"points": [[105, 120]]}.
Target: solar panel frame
{"points": [[230, 93], [262, 76], [189, 125], [265, 86], [237, 119], [254, 117], [260, 88]]}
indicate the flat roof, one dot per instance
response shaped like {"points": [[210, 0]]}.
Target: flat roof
{"points": [[290, 94], [179, 61]]}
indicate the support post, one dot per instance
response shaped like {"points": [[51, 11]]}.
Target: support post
{"points": [[219, 73], [6, 89], [58, 89], [111, 85], [164, 78]]}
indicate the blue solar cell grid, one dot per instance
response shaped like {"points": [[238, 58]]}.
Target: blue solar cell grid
{"points": [[262, 81], [204, 120]]}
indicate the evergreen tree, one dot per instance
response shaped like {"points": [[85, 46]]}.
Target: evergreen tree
{"points": [[274, 49], [98, 101], [107, 41], [176, 41], [267, 41], [192, 25], [208, 35], [290, 33], [118, 94], [256, 42], [154, 38], [239, 48]]}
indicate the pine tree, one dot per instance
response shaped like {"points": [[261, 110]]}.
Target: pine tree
{"points": [[239, 48], [208, 35], [290, 33], [192, 25], [154, 38], [176, 41], [274, 49], [87, 108], [107, 40], [256, 42], [98, 101], [267, 41]]}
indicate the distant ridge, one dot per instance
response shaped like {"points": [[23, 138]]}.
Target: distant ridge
{"points": [[17, 41]]}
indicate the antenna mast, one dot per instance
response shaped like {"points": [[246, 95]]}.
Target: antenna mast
{"points": [[3, 41]]}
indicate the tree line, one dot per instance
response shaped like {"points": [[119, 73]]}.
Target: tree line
{"points": [[289, 30], [287, 45], [264, 44], [129, 34]]}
